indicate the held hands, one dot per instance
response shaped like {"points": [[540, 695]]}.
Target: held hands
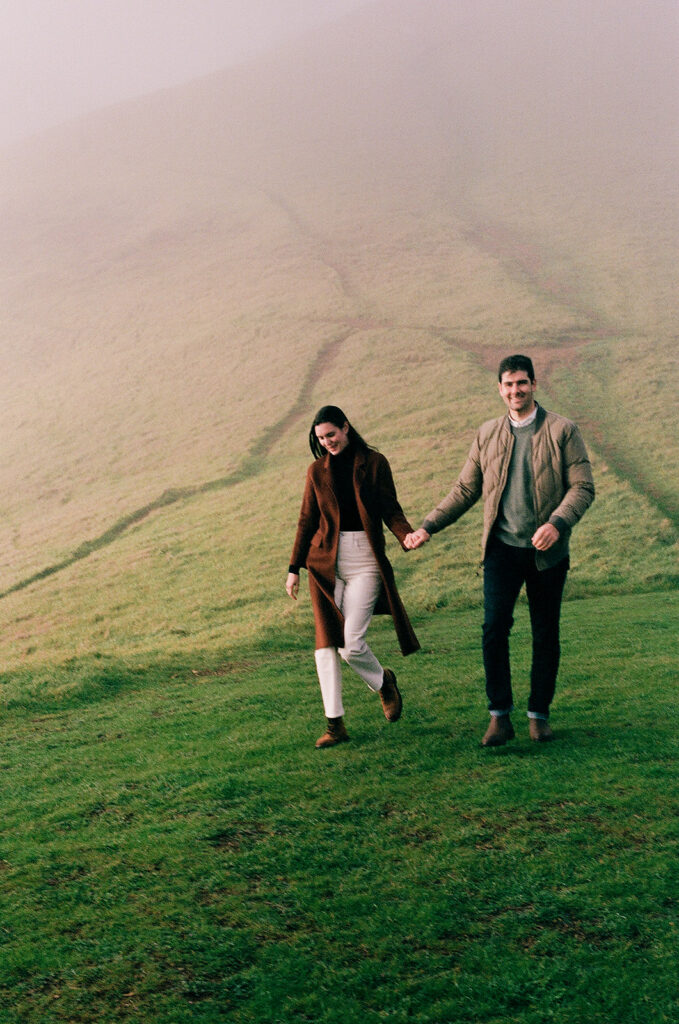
{"points": [[292, 585], [416, 539], [542, 540], [544, 537]]}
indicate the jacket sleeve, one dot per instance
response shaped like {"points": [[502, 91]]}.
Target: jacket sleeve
{"points": [[390, 509], [465, 492], [578, 482], [309, 519]]}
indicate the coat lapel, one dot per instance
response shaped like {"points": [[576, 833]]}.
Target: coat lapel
{"points": [[326, 483], [359, 470]]}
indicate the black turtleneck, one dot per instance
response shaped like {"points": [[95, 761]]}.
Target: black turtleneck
{"points": [[342, 466]]}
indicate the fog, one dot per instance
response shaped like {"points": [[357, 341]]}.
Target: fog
{"points": [[62, 58], [419, 176]]}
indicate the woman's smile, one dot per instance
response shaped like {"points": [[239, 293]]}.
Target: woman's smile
{"points": [[333, 438]]}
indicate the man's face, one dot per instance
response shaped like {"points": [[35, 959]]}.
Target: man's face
{"points": [[516, 391]]}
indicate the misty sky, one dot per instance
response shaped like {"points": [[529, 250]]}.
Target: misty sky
{"points": [[61, 58]]}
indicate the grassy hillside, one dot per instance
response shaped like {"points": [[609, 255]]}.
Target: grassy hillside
{"points": [[372, 217], [187, 278]]}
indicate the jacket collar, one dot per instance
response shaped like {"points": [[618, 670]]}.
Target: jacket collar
{"points": [[539, 419]]}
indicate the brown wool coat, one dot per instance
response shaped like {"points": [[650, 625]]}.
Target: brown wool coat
{"points": [[317, 540]]}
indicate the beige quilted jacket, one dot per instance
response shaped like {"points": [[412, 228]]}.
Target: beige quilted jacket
{"points": [[562, 480]]}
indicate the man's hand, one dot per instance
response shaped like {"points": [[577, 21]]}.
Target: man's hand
{"points": [[416, 539], [544, 537]]}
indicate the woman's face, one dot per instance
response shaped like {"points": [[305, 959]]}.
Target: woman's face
{"points": [[333, 438]]}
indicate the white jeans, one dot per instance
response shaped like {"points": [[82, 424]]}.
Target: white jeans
{"points": [[357, 586]]}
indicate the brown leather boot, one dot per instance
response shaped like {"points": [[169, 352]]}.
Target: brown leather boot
{"points": [[336, 733], [392, 702], [539, 730], [498, 732]]}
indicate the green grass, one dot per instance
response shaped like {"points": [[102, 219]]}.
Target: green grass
{"points": [[174, 848]]}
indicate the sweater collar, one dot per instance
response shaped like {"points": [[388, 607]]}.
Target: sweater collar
{"points": [[526, 422], [359, 457], [537, 416]]}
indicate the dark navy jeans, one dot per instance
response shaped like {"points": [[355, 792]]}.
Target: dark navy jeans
{"points": [[505, 571]]}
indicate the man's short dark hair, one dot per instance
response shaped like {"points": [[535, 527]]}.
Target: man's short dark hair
{"points": [[513, 363]]}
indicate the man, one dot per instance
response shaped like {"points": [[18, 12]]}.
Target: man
{"points": [[532, 468]]}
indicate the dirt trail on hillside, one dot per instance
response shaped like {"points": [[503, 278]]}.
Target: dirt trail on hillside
{"points": [[253, 461], [519, 258]]}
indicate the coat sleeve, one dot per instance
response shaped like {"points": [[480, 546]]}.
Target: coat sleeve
{"points": [[464, 493], [309, 519], [578, 482], [390, 509]]}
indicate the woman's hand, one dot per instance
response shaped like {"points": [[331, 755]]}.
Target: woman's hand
{"points": [[416, 539], [292, 585]]}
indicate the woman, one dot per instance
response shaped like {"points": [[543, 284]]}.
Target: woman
{"points": [[349, 492]]}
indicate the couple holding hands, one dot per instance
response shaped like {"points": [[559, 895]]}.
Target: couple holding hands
{"points": [[532, 469]]}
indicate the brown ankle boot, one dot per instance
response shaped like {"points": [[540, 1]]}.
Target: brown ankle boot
{"points": [[336, 733], [392, 702], [539, 730], [498, 732]]}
